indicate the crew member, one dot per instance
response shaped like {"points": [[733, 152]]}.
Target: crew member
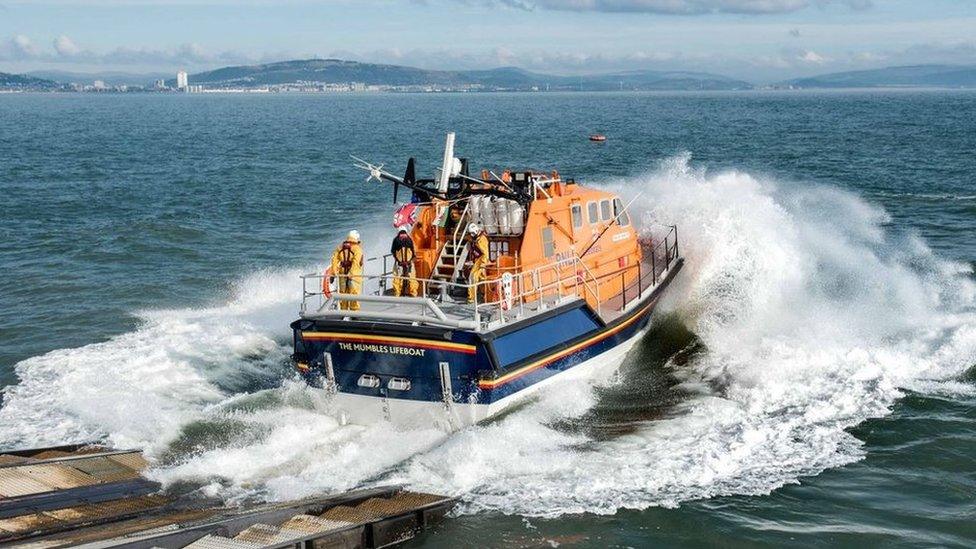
{"points": [[404, 283], [347, 265], [478, 256]]}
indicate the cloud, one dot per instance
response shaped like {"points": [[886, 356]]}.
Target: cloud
{"points": [[771, 65], [813, 57], [65, 50], [65, 47], [21, 46], [677, 7]]}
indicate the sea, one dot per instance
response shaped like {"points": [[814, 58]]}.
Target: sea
{"points": [[809, 379]]}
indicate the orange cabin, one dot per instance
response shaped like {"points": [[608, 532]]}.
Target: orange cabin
{"points": [[562, 220]]}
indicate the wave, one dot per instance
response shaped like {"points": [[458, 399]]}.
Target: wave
{"points": [[140, 388], [810, 318], [803, 314], [926, 196]]}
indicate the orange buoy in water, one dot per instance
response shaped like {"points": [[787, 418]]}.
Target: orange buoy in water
{"points": [[598, 137]]}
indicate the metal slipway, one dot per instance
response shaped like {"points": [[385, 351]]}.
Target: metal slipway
{"points": [[92, 496]]}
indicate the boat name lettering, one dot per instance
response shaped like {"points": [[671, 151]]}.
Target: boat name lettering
{"points": [[387, 349]]}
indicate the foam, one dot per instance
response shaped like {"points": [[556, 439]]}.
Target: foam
{"points": [[140, 388], [812, 316]]}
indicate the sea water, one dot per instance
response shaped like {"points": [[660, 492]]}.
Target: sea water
{"points": [[808, 379]]}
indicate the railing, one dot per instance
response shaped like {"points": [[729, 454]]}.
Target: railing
{"points": [[661, 253], [541, 287], [550, 282], [532, 290], [460, 224]]}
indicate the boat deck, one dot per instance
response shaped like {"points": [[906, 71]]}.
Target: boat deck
{"points": [[458, 312]]}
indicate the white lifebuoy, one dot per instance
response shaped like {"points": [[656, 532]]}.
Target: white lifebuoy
{"points": [[506, 282]]}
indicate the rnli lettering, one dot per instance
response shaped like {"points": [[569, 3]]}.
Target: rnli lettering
{"points": [[621, 236], [385, 349]]}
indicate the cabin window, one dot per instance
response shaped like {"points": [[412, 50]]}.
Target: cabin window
{"points": [[618, 208], [548, 245], [605, 210], [577, 211], [496, 249], [593, 212]]}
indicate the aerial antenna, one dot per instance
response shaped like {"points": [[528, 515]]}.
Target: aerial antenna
{"points": [[409, 180], [375, 170], [447, 166]]}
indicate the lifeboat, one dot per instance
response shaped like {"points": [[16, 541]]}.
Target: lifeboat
{"points": [[598, 137], [570, 286]]}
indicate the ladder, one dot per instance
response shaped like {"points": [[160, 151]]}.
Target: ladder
{"points": [[450, 261]]}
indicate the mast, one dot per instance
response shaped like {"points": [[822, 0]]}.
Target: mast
{"points": [[447, 166]]}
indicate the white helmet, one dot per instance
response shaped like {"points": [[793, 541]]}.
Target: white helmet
{"points": [[353, 235], [474, 229]]}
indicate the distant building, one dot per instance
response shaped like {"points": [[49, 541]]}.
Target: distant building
{"points": [[99, 85], [182, 81], [160, 85]]}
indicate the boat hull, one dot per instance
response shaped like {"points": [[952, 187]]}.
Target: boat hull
{"points": [[411, 414], [418, 376]]}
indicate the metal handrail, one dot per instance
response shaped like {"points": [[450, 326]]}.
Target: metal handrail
{"points": [[464, 212], [541, 290], [530, 287]]}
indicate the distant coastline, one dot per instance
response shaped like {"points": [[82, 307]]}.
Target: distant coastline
{"points": [[338, 76]]}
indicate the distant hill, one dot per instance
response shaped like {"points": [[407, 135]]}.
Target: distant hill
{"points": [[24, 82], [111, 78], [942, 76], [334, 71], [664, 80]]}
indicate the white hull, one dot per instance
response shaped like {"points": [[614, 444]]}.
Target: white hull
{"points": [[367, 410]]}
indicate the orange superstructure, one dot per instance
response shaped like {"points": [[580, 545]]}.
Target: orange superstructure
{"points": [[560, 219]]}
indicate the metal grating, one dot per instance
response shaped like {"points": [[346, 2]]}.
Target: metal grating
{"points": [[347, 514], [51, 454], [381, 508], [104, 469], [7, 459], [28, 523], [133, 460], [57, 476], [14, 482], [314, 525], [85, 513], [217, 542], [63, 496], [265, 534], [417, 499]]}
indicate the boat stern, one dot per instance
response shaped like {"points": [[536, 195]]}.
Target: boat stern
{"points": [[409, 375]]}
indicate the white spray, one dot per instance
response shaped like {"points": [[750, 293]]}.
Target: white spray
{"points": [[811, 315]]}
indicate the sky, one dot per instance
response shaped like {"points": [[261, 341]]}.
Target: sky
{"points": [[756, 40]]}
